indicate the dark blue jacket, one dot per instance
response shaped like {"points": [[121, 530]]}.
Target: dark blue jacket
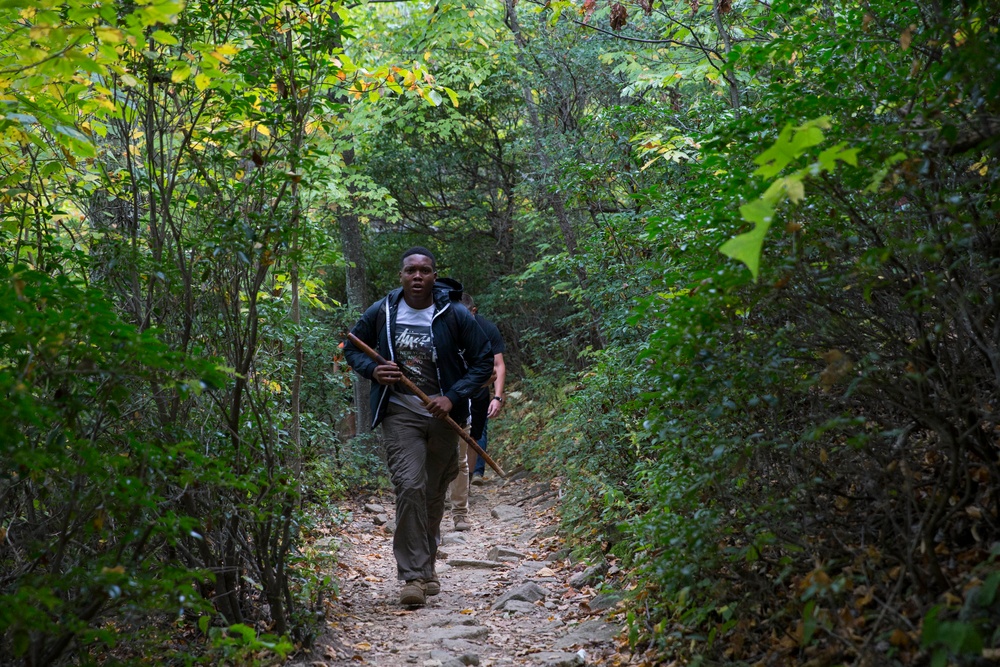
{"points": [[463, 365]]}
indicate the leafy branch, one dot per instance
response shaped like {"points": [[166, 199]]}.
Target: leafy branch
{"points": [[792, 143]]}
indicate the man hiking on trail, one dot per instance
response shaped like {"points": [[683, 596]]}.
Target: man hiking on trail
{"points": [[437, 343], [483, 405], [486, 405]]}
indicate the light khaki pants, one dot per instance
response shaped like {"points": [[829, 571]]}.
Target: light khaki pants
{"points": [[458, 492]]}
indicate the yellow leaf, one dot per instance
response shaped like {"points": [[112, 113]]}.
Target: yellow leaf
{"points": [[263, 130], [899, 638], [643, 167], [118, 569], [823, 455], [795, 189], [180, 74], [110, 35], [202, 81], [228, 49], [906, 37], [363, 646], [865, 599]]}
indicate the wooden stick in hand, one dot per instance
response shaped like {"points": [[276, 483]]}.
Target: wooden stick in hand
{"points": [[408, 383]]}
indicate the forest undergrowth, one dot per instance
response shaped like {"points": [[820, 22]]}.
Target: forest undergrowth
{"points": [[745, 256]]}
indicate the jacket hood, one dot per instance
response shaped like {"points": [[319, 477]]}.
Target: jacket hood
{"points": [[451, 286]]}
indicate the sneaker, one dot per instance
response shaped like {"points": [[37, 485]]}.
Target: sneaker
{"points": [[432, 586], [414, 594], [477, 480], [462, 525]]}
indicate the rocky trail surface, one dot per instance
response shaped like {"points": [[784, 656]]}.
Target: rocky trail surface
{"points": [[509, 593]]}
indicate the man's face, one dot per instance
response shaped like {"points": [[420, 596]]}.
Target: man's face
{"points": [[417, 278]]}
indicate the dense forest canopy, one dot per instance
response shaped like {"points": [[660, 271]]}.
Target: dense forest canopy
{"points": [[745, 254]]}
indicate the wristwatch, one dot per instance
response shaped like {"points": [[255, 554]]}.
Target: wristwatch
{"points": [[498, 398]]}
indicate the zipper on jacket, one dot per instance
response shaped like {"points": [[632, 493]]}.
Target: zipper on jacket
{"points": [[437, 366]]}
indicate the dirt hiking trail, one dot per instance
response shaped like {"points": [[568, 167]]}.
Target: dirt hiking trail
{"points": [[509, 593]]}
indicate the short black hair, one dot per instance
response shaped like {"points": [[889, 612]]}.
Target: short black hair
{"points": [[418, 250]]}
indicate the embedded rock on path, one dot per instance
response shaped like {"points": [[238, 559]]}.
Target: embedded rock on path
{"points": [[505, 593]]}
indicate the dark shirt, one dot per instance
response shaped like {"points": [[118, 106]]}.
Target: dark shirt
{"points": [[491, 331], [497, 344]]}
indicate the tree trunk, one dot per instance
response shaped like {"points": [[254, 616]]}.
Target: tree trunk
{"points": [[358, 297], [734, 90]]}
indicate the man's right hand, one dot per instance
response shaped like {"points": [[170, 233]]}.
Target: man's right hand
{"points": [[387, 373]]}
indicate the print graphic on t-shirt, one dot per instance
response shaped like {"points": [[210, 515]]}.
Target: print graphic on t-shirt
{"points": [[415, 352]]}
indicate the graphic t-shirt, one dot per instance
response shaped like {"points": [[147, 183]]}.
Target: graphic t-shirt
{"points": [[415, 353]]}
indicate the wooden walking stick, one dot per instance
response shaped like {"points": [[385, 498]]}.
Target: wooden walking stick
{"points": [[408, 383]]}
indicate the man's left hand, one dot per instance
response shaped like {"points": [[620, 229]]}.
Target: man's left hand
{"points": [[494, 409], [440, 406]]}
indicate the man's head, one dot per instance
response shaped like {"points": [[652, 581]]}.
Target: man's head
{"points": [[417, 273], [469, 302]]}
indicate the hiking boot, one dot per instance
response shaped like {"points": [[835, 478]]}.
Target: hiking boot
{"points": [[477, 480], [413, 594], [432, 586], [461, 524]]}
